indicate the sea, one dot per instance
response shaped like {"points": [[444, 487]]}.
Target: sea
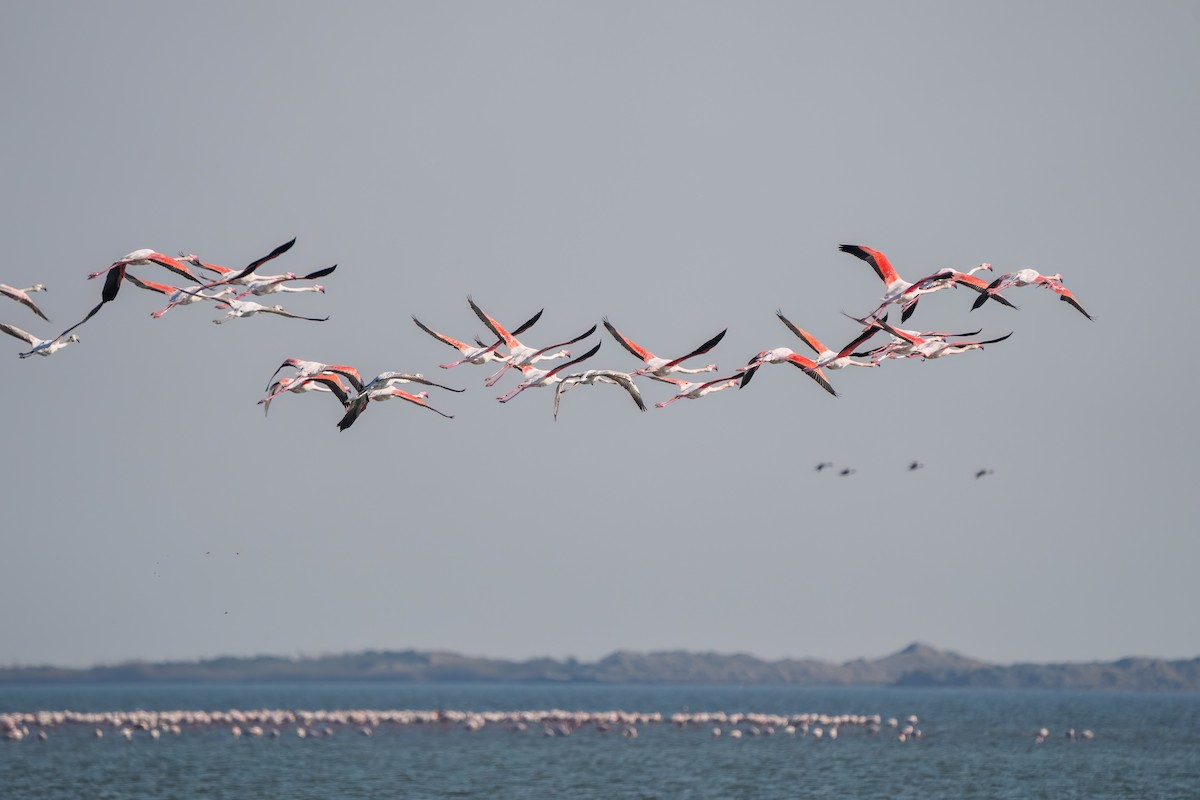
{"points": [[972, 744]]}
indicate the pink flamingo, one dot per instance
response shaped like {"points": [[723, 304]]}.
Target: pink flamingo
{"points": [[784, 355], [519, 355], [535, 377], [660, 367], [1029, 277], [825, 356], [481, 354], [689, 390]]}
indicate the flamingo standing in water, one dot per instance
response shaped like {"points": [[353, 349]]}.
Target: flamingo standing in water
{"points": [[593, 376], [482, 354], [661, 367], [1029, 277], [41, 347], [519, 355], [22, 296]]}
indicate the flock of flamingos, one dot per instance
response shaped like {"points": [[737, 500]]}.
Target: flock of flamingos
{"points": [[228, 289]]}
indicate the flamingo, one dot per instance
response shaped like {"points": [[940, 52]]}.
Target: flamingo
{"points": [[308, 368], [535, 377], [1029, 277], [593, 376], [246, 308], [385, 380], [660, 367], [784, 355], [934, 347], [942, 279], [481, 354], [898, 290], [240, 276], [296, 384], [982, 472], [175, 295], [148, 256], [689, 390], [116, 274], [22, 296], [41, 347], [357, 404], [825, 356], [519, 355], [902, 344], [262, 285]]}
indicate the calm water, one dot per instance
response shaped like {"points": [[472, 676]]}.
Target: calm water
{"points": [[976, 744]]}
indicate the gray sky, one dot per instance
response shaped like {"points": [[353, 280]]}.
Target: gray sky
{"points": [[681, 168]]}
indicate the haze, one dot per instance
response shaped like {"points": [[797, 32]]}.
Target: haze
{"points": [[681, 168]]}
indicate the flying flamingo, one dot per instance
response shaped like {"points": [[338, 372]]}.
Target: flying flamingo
{"points": [[262, 285], [357, 404], [902, 344], [519, 355], [240, 276], [898, 290], [295, 384], [689, 390], [148, 256], [535, 377], [22, 296], [481, 354], [593, 376], [306, 369], [116, 274], [246, 308], [175, 295], [660, 367], [1029, 277], [784, 355], [825, 356], [936, 347], [942, 279], [41, 347], [386, 380]]}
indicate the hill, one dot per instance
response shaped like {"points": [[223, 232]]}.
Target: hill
{"points": [[916, 665]]}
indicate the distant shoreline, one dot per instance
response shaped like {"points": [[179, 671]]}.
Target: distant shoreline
{"points": [[917, 665]]}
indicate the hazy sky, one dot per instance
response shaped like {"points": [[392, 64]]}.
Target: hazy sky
{"points": [[681, 168]]}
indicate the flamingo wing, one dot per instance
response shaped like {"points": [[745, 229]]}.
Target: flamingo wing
{"points": [[636, 350], [813, 371], [495, 327], [23, 298], [802, 334], [878, 261], [13, 330], [704, 348], [253, 265]]}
